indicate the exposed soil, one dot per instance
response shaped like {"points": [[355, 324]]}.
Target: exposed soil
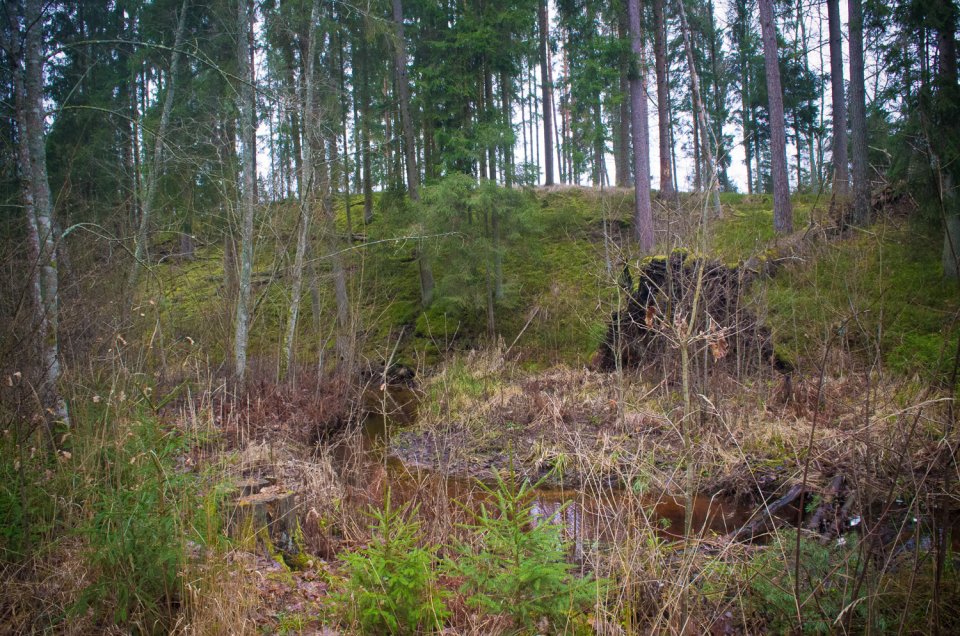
{"points": [[669, 290]]}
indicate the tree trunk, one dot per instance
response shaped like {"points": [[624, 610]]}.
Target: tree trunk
{"points": [[782, 212], [156, 169], [747, 127], [524, 120], [270, 517], [948, 92], [489, 278], [598, 143], [623, 135], [535, 119], [364, 91], [426, 276], [860, 212], [505, 112], [798, 140], [346, 139], [226, 155], [35, 186], [667, 191], [567, 129], [805, 56], [246, 107], [716, 62], [306, 191], [296, 130], [403, 91], [344, 342], [621, 150], [488, 109], [697, 161], [761, 185], [480, 118], [554, 114], [699, 114], [642, 212]]}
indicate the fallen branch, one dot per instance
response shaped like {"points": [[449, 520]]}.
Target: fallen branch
{"points": [[827, 506], [758, 525]]}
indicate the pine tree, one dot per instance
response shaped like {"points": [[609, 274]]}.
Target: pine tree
{"points": [[860, 212], [643, 214], [841, 170], [782, 211]]}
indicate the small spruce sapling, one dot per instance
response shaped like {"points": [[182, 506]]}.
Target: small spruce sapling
{"points": [[521, 569], [391, 585]]}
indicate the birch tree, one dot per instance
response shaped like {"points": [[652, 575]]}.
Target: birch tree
{"points": [[246, 107], [24, 44], [306, 193], [159, 155], [700, 115]]}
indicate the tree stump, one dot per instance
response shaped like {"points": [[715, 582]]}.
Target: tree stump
{"points": [[252, 485], [269, 516]]}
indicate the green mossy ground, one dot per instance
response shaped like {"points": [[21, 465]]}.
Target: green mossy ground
{"points": [[880, 288], [876, 293], [873, 295]]}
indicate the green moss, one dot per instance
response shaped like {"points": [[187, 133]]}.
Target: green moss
{"points": [[880, 291], [558, 292], [749, 229]]}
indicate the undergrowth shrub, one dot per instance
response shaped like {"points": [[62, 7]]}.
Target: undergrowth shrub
{"points": [[27, 509], [107, 502], [521, 570], [136, 535], [391, 585], [827, 580]]}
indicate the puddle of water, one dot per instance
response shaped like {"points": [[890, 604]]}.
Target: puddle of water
{"points": [[606, 516], [588, 517]]}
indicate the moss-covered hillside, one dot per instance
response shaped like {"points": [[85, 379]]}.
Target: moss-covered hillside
{"points": [[879, 290]]}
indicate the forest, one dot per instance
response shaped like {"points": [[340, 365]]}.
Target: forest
{"points": [[479, 317]]}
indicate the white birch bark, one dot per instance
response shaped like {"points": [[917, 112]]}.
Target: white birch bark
{"points": [[701, 114], [306, 191], [246, 106], [35, 186]]}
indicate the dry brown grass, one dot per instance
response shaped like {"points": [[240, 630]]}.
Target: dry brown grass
{"points": [[38, 594]]}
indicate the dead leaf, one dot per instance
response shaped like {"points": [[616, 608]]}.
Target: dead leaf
{"points": [[719, 347]]}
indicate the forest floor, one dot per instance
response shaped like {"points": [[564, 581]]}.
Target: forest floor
{"points": [[685, 487], [841, 424]]}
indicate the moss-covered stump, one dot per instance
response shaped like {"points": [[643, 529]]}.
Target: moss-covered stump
{"points": [[656, 317], [270, 517]]}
